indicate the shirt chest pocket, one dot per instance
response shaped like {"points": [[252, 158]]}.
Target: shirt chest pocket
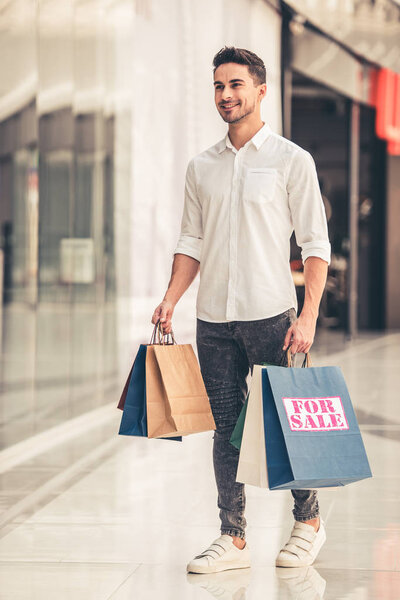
{"points": [[259, 185]]}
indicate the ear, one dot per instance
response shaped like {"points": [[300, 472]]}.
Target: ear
{"points": [[262, 91]]}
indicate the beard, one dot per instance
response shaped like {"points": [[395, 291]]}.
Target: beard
{"points": [[235, 118]]}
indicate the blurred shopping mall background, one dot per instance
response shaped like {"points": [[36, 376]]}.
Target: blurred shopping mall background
{"points": [[102, 104]]}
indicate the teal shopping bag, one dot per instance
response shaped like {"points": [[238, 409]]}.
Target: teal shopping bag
{"points": [[236, 437]]}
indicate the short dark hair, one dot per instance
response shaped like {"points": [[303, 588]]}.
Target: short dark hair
{"points": [[242, 56]]}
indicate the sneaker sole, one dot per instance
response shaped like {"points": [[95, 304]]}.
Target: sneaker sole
{"points": [[217, 568], [282, 562]]}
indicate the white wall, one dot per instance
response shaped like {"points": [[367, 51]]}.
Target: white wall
{"points": [[174, 116]]}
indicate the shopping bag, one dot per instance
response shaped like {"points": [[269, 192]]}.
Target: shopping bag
{"points": [[311, 434], [252, 467], [237, 433], [133, 398], [177, 401]]}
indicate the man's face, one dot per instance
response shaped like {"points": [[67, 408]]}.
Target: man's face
{"points": [[236, 95]]}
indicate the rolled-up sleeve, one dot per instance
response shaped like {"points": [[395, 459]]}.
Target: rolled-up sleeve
{"points": [[307, 207], [191, 236]]}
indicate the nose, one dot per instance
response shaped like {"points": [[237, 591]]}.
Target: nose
{"points": [[226, 94]]}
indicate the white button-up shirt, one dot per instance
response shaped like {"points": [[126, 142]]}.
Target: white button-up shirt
{"points": [[240, 209]]}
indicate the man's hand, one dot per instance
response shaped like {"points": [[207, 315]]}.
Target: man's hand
{"points": [[300, 335], [163, 313]]}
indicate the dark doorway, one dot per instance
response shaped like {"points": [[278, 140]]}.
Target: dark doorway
{"points": [[371, 224], [320, 123]]}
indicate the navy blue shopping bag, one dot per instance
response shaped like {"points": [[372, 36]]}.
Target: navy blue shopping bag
{"points": [[312, 438], [134, 416]]}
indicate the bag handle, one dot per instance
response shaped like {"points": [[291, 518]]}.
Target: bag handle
{"points": [[158, 331], [306, 361]]}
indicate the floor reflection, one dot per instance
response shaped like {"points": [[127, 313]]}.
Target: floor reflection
{"points": [[302, 584], [293, 584], [227, 585]]}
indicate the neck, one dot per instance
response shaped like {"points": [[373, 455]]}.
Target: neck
{"points": [[241, 132]]}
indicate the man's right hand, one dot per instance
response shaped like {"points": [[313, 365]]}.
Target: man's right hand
{"points": [[163, 313]]}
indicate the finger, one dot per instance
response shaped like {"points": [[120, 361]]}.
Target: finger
{"points": [[166, 328], [307, 348], [301, 346], [296, 341], [166, 321], [156, 315], [306, 345], [166, 316]]}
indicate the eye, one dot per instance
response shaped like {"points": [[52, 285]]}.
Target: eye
{"points": [[218, 87]]}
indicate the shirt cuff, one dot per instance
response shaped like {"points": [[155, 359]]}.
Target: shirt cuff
{"points": [[190, 246], [319, 248]]}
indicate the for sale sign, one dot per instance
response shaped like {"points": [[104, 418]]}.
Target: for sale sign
{"points": [[315, 414]]}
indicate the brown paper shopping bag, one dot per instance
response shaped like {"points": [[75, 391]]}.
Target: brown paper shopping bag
{"points": [[176, 397]]}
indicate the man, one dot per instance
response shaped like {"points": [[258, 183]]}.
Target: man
{"points": [[243, 198]]}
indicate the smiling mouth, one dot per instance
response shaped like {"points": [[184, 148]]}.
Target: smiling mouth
{"points": [[229, 106]]}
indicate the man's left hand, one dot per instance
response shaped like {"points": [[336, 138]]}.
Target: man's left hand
{"points": [[300, 335]]}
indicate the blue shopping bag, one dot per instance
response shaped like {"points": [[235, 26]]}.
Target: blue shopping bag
{"points": [[134, 416], [312, 438]]}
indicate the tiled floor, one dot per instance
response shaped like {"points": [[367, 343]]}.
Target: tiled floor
{"points": [[108, 517]]}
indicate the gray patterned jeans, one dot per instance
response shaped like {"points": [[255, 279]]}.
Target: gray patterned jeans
{"points": [[226, 352]]}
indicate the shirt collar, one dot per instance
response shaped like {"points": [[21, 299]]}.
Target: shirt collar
{"points": [[257, 140]]}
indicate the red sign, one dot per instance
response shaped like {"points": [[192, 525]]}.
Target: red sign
{"points": [[387, 102]]}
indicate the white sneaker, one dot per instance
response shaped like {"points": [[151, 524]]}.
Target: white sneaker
{"points": [[303, 546], [221, 555]]}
